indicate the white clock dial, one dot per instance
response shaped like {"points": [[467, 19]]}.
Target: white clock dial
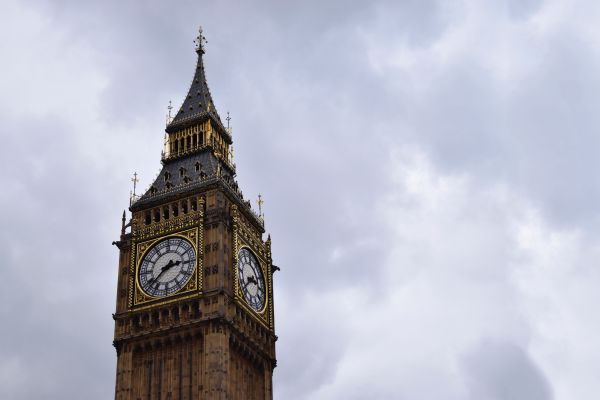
{"points": [[167, 267], [252, 282]]}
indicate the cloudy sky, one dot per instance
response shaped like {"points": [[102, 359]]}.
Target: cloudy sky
{"points": [[430, 171]]}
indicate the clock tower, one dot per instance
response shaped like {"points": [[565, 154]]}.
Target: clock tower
{"points": [[194, 313]]}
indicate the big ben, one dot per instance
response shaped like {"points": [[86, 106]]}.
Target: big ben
{"points": [[194, 312]]}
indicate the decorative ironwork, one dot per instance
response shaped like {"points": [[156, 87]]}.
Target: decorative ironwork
{"points": [[133, 197], [260, 202], [200, 41], [169, 116]]}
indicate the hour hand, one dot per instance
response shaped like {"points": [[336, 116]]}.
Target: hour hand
{"points": [[251, 279], [170, 264]]}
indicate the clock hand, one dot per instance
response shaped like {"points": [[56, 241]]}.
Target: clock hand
{"points": [[252, 280], [170, 264]]}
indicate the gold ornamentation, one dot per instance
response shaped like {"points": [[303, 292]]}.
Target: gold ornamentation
{"points": [[146, 236], [169, 225], [142, 297], [243, 237]]}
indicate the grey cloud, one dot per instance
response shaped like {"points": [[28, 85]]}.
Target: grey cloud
{"points": [[56, 247], [504, 371], [523, 9]]}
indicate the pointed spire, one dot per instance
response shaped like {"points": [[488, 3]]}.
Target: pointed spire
{"points": [[198, 104], [123, 223]]}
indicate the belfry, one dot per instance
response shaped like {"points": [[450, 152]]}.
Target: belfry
{"points": [[194, 312]]}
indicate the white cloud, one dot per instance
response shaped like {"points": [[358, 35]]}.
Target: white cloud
{"points": [[558, 278], [471, 273]]}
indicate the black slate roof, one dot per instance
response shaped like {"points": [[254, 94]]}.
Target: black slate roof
{"points": [[198, 104], [180, 177], [183, 171]]}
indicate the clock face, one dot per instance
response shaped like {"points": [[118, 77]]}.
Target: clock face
{"points": [[252, 282], [167, 267]]}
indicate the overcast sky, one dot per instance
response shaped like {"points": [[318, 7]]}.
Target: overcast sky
{"points": [[429, 170]]}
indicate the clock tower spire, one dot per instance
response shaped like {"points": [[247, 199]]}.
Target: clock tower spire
{"points": [[194, 316]]}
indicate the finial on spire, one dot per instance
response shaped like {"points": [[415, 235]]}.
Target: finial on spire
{"points": [[135, 180], [200, 41], [165, 152], [228, 119], [260, 202], [132, 195], [169, 117], [123, 223]]}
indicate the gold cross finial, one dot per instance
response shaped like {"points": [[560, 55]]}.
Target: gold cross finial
{"points": [[135, 180], [260, 202], [200, 41], [169, 117]]}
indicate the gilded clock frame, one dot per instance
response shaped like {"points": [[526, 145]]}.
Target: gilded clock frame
{"points": [[144, 251], [245, 236], [239, 291], [140, 299]]}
